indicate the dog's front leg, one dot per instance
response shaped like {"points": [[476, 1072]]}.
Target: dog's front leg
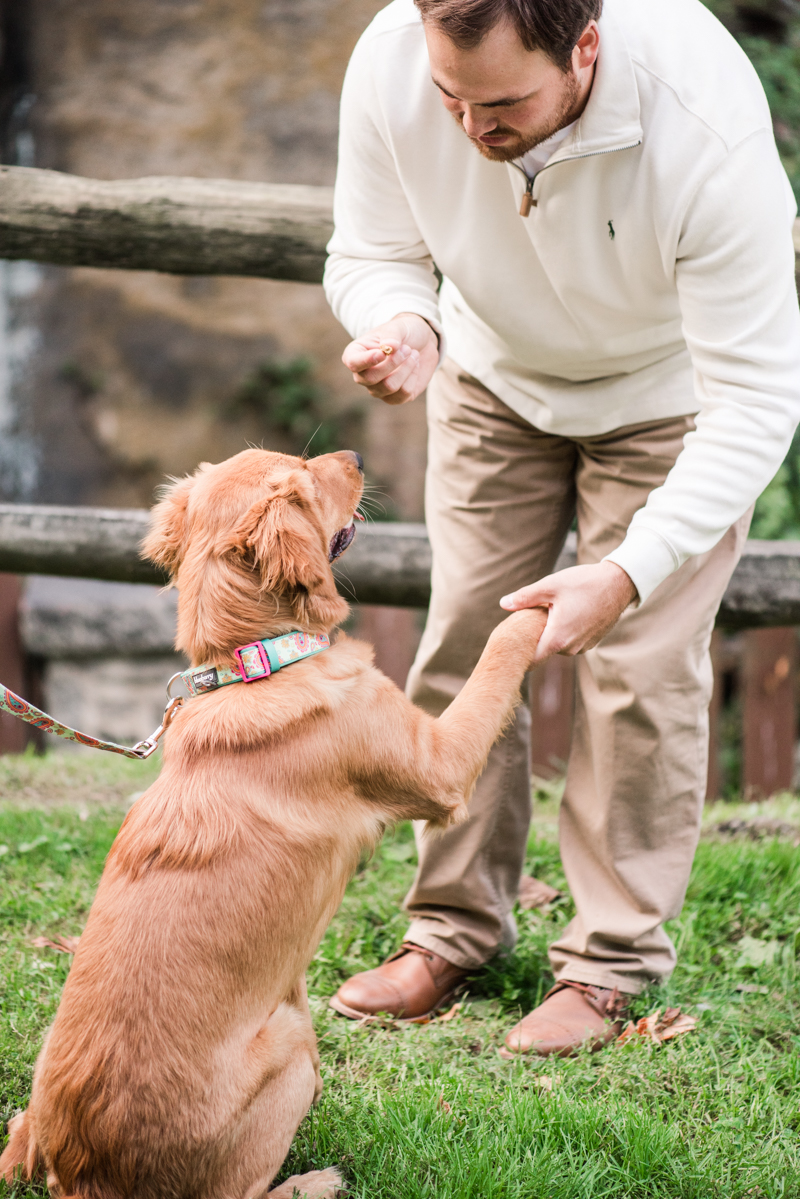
{"points": [[421, 768]]}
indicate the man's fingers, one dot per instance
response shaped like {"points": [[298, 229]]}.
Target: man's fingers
{"points": [[359, 355], [383, 365], [395, 385], [360, 358], [380, 367], [527, 597], [549, 642]]}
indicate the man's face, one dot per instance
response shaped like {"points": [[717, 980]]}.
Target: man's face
{"points": [[506, 98]]}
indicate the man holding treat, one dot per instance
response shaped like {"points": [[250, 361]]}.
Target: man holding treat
{"points": [[618, 340]]}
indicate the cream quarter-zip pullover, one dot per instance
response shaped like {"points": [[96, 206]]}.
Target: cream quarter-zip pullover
{"points": [[653, 278]]}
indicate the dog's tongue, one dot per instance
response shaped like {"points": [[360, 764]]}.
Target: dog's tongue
{"points": [[341, 540]]}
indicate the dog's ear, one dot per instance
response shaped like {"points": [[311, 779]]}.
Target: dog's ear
{"points": [[281, 538], [284, 542], [165, 543]]}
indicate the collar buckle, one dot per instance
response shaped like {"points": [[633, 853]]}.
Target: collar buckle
{"points": [[253, 662]]}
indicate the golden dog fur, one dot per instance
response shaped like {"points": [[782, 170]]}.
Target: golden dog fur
{"points": [[182, 1057]]}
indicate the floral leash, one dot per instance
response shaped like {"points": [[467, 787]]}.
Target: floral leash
{"points": [[15, 705], [258, 660]]}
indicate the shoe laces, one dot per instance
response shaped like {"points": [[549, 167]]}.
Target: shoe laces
{"points": [[611, 1009]]}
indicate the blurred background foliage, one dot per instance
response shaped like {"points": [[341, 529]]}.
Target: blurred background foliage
{"points": [[288, 400], [769, 33]]}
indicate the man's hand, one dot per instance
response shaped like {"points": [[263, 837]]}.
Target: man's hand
{"points": [[584, 602], [396, 361]]}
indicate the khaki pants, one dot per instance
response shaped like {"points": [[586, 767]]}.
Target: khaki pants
{"points": [[501, 496]]}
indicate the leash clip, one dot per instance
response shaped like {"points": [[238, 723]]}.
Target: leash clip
{"points": [[143, 749]]}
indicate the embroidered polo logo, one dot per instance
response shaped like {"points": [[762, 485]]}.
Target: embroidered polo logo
{"points": [[611, 232]]}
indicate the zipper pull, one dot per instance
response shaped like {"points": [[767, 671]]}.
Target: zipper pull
{"points": [[528, 201]]}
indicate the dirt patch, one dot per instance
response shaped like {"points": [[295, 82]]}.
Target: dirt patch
{"points": [[83, 780], [759, 829]]}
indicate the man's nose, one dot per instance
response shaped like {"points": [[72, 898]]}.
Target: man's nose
{"points": [[477, 123]]}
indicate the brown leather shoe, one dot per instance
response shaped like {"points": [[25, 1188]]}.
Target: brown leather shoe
{"points": [[411, 986], [571, 1015]]}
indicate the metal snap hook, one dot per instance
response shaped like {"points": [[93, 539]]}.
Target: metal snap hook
{"points": [[143, 749], [169, 687]]}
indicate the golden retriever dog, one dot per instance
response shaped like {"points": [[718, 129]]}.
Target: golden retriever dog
{"points": [[182, 1057]]}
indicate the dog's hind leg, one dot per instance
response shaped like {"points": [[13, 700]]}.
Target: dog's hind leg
{"points": [[299, 999], [21, 1155], [289, 1064], [318, 1184]]}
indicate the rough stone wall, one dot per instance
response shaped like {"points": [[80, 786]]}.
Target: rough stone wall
{"points": [[111, 380]]}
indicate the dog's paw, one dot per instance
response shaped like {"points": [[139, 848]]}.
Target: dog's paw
{"points": [[458, 814], [448, 814], [318, 1184], [521, 630]]}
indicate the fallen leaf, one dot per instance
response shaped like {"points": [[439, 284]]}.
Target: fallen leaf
{"points": [[647, 1026], [533, 893], [27, 846], [444, 1105], [62, 944], [682, 1025], [388, 1022], [658, 1028], [483, 1009], [755, 953], [450, 1013], [546, 1082]]}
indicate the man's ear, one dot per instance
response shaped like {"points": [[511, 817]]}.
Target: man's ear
{"points": [[165, 543], [283, 541]]}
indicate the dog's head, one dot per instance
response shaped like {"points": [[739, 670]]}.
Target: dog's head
{"points": [[249, 543]]}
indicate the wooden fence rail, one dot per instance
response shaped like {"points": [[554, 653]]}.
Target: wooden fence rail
{"points": [[387, 564], [181, 226]]}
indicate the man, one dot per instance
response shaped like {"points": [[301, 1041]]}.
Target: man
{"points": [[618, 339]]}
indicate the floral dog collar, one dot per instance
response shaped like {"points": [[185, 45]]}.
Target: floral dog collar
{"points": [[257, 660]]}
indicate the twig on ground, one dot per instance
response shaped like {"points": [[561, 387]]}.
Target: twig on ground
{"points": [[62, 944]]}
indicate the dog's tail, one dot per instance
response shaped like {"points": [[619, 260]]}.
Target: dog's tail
{"points": [[21, 1155]]}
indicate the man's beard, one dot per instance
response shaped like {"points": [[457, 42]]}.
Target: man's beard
{"points": [[521, 144]]}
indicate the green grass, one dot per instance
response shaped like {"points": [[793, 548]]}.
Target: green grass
{"points": [[433, 1111]]}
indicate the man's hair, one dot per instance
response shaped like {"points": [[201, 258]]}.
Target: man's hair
{"points": [[553, 26]]}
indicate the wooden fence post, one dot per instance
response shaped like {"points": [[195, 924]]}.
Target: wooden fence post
{"points": [[395, 634], [768, 710], [13, 733], [552, 697]]}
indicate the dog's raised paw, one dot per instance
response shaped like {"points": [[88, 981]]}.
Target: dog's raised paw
{"points": [[317, 1184]]}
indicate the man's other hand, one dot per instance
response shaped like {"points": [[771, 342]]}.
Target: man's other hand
{"points": [[396, 361], [584, 603]]}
